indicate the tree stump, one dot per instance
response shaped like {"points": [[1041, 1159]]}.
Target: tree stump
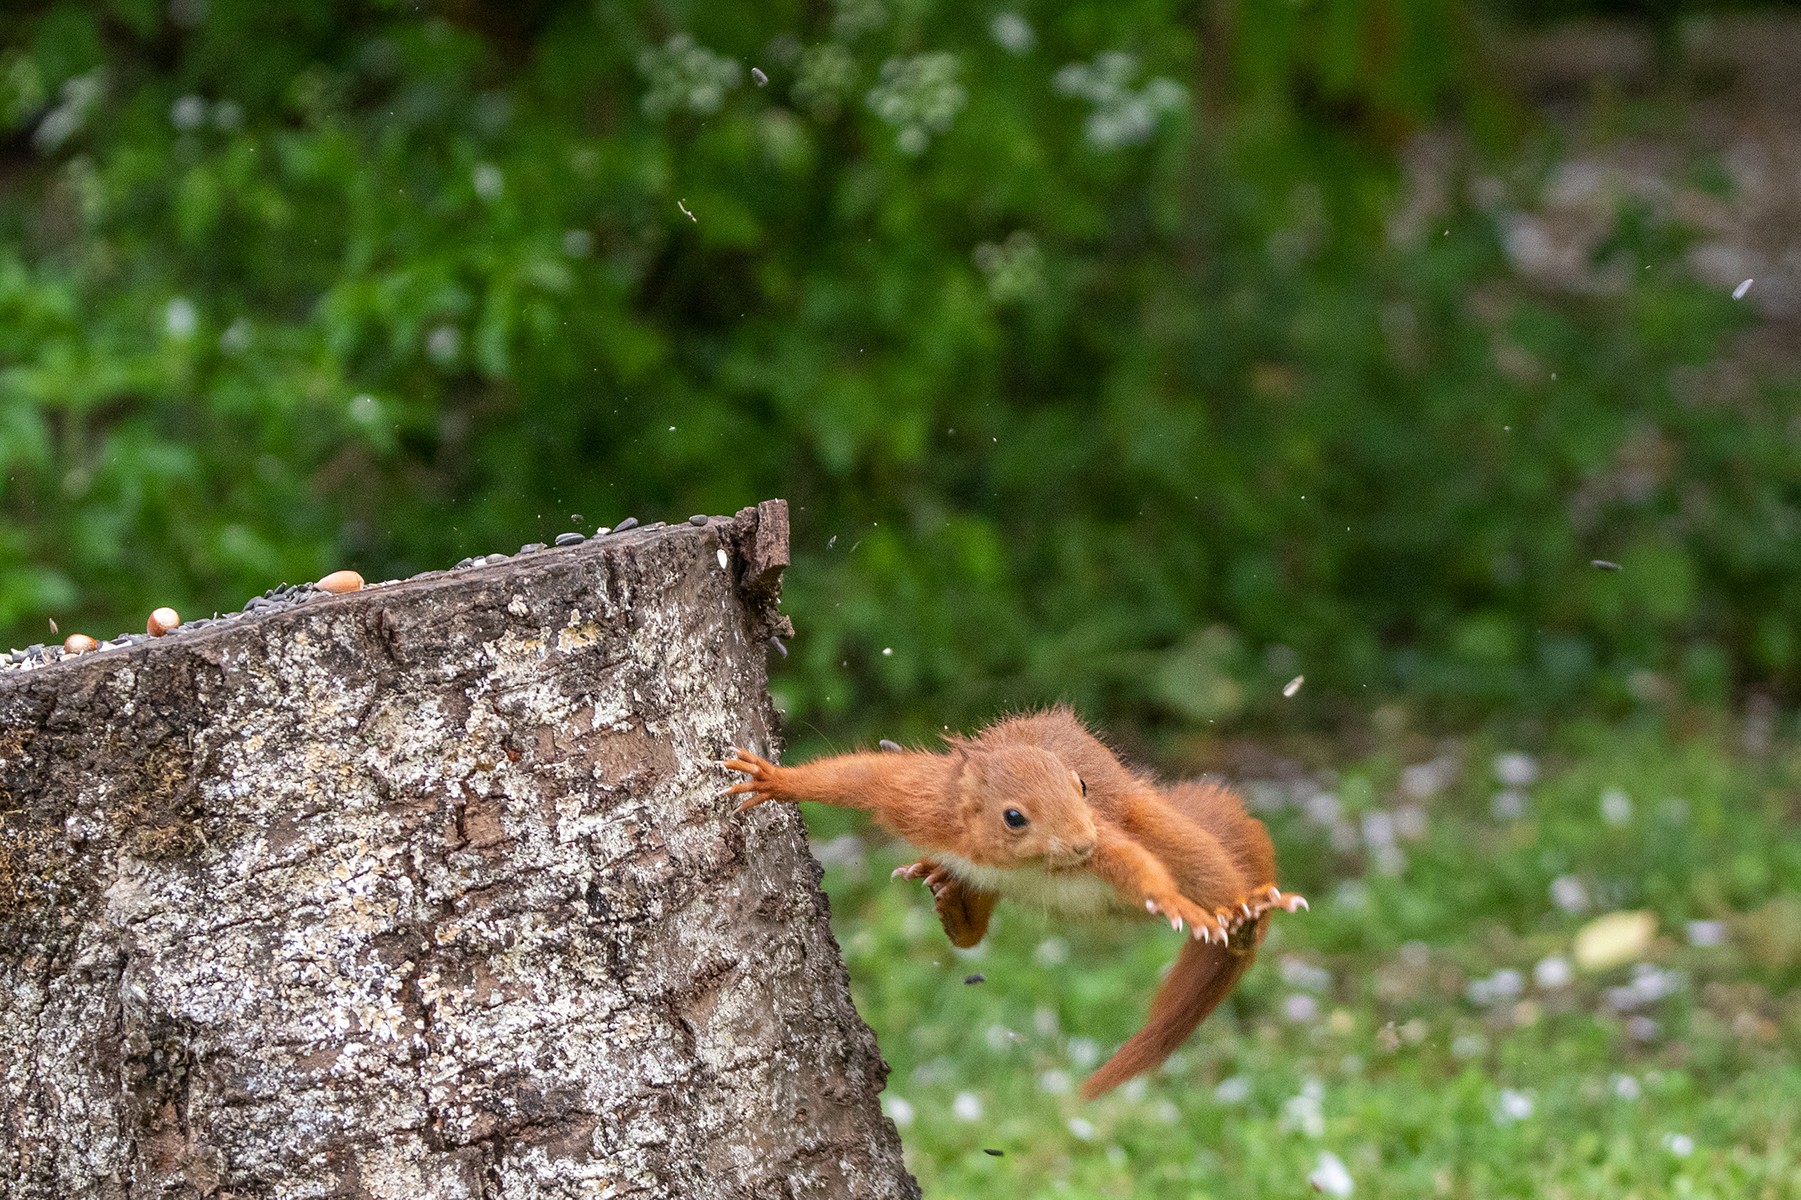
{"points": [[429, 890]]}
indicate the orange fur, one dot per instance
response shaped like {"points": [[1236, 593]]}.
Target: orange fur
{"points": [[1037, 807]]}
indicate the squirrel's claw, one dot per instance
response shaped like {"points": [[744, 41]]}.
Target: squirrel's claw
{"points": [[1259, 904], [933, 875], [1165, 910], [1182, 913]]}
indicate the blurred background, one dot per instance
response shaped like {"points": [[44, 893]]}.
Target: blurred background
{"points": [[1144, 354], [1395, 400]]}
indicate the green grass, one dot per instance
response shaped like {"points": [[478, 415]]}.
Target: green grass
{"points": [[1359, 1032]]}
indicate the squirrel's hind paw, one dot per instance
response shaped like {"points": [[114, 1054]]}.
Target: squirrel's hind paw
{"points": [[1253, 908]]}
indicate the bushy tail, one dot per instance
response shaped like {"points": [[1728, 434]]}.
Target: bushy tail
{"points": [[1202, 975]]}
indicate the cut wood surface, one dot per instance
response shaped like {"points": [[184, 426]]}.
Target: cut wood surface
{"points": [[429, 890]]}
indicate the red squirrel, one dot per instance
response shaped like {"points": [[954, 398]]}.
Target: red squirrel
{"points": [[1035, 808]]}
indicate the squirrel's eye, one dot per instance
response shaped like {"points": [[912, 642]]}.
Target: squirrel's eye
{"points": [[1084, 784], [1015, 819]]}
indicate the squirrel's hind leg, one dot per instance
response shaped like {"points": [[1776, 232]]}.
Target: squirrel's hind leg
{"points": [[962, 910]]}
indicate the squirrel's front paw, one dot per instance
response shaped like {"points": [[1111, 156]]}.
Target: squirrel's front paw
{"points": [[764, 782], [935, 876], [1180, 911]]}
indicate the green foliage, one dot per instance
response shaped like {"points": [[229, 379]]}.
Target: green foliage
{"points": [[1074, 333], [1426, 1023]]}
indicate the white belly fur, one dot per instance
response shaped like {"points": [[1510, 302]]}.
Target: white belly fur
{"points": [[1068, 893]]}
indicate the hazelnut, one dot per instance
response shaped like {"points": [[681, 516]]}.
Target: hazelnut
{"points": [[162, 621], [79, 643], [340, 581]]}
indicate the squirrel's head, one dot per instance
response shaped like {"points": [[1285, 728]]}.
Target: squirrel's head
{"points": [[1022, 804]]}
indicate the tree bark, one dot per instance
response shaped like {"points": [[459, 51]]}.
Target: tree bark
{"points": [[429, 890]]}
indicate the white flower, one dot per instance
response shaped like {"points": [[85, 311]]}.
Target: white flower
{"points": [[1511, 1106], [1306, 1111], [236, 337], [1081, 1129], [1706, 933], [1469, 1045], [1626, 1087], [1516, 769], [1012, 32], [1378, 828], [77, 98], [685, 75], [967, 1107], [1235, 1089], [826, 75], [188, 112], [897, 1110], [578, 243], [1322, 808], [1330, 1175], [1504, 984], [1013, 269], [1300, 1008], [1569, 893], [1508, 804], [443, 345], [854, 18], [1298, 972], [1616, 806], [920, 95], [1679, 1144], [1423, 781], [1120, 115], [1553, 972], [180, 318], [488, 180]]}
